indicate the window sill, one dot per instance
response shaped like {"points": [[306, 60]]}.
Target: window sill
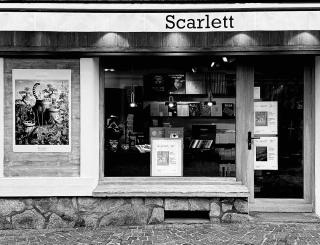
{"points": [[170, 187]]}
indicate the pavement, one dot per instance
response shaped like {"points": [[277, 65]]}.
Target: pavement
{"points": [[261, 231]]}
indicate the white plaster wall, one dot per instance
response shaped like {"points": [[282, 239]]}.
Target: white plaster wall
{"points": [[89, 158]]}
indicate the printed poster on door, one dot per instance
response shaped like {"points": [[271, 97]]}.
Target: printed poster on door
{"points": [[41, 110], [166, 157], [266, 117], [266, 153]]}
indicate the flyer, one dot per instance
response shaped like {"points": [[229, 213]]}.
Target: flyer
{"points": [[266, 117], [166, 157], [266, 153]]}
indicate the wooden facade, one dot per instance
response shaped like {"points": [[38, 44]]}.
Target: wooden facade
{"points": [[96, 44], [17, 164]]}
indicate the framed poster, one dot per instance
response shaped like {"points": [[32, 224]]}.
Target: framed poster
{"points": [[41, 110], [266, 153], [166, 156], [266, 117]]}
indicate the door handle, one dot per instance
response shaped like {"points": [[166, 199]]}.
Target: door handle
{"points": [[250, 138]]}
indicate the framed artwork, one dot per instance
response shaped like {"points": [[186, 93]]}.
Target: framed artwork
{"points": [[41, 110], [166, 156]]}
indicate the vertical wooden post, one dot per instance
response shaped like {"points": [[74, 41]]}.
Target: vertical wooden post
{"points": [[308, 132], [244, 124], [101, 120], [317, 135]]}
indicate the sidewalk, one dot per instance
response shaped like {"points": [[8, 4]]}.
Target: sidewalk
{"points": [[259, 231]]}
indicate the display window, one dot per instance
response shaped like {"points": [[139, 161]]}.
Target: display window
{"points": [[170, 116]]}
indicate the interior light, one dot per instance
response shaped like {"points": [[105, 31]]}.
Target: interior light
{"points": [[194, 69], [132, 99], [224, 59], [212, 64], [109, 69], [171, 103]]}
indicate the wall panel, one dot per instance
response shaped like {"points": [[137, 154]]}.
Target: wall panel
{"points": [[42, 164], [277, 41]]}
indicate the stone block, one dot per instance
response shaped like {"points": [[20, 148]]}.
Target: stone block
{"points": [[45, 205], [235, 218], [214, 220], [29, 219], [241, 206], [5, 224], [65, 209], [137, 201], [157, 216], [126, 215], [199, 204], [174, 204], [154, 202], [99, 205], [215, 209], [57, 222], [226, 207], [7, 206]]}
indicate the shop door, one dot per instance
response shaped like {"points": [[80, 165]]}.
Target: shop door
{"points": [[280, 140]]}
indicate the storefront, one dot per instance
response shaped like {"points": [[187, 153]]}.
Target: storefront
{"points": [[121, 114]]}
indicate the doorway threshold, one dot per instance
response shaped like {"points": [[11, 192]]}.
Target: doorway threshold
{"points": [[268, 217]]}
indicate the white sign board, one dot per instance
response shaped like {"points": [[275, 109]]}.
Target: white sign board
{"points": [[41, 110], [161, 22], [266, 117], [166, 157], [266, 153]]}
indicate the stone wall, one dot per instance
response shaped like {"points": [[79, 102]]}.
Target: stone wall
{"points": [[60, 212]]}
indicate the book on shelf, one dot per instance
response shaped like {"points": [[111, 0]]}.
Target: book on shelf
{"points": [[216, 110], [182, 110], [174, 133], [228, 110], [154, 109], [157, 132], [166, 132], [201, 144], [194, 109], [205, 110], [163, 110]]}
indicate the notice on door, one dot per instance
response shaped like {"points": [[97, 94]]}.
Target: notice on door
{"points": [[266, 153], [266, 117]]}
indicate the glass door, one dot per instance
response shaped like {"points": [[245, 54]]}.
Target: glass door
{"points": [[281, 138]]}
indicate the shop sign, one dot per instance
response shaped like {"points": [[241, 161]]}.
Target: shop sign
{"points": [[160, 22]]}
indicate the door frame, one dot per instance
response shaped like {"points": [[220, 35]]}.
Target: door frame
{"points": [[244, 106]]}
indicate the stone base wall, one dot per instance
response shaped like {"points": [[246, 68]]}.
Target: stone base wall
{"points": [[68, 212]]}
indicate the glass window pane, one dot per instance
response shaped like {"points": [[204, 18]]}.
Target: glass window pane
{"points": [[188, 97], [281, 80]]}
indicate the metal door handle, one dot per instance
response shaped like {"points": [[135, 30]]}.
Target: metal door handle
{"points": [[250, 138]]}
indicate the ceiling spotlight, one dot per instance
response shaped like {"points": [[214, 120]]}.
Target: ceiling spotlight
{"points": [[212, 64], [194, 69], [224, 59]]}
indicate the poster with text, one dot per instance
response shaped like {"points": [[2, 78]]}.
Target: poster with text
{"points": [[266, 153], [266, 117], [166, 157], [41, 110]]}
